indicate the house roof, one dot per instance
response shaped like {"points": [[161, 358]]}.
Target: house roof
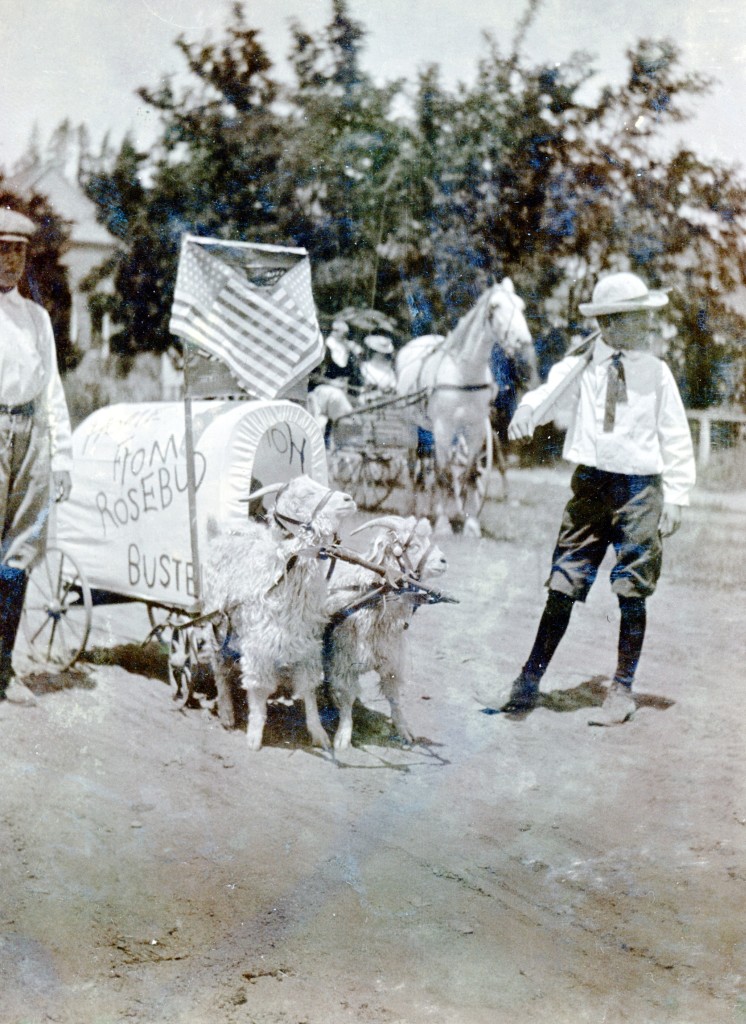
{"points": [[68, 199]]}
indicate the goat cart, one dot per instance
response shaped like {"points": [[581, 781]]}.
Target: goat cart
{"points": [[378, 447], [147, 478]]}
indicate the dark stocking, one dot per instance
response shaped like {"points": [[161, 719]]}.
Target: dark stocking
{"points": [[12, 592], [631, 635], [551, 629]]}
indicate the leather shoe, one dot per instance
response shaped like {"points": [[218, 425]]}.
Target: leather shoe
{"points": [[617, 708], [522, 696]]}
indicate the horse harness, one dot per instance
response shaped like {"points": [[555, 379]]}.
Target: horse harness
{"points": [[456, 387]]}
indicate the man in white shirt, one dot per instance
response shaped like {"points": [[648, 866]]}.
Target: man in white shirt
{"points": [[35, 438], [629, 437]]}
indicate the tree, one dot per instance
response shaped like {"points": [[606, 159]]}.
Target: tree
{"points": [[342, 153], [675, 220], [516, 174], [215, 171]]}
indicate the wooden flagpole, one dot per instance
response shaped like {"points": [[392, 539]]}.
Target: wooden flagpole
{"points": [[191, 478]]}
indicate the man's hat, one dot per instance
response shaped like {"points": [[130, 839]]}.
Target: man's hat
{"points": [[379, 343], [622, 293], [14, 226]]}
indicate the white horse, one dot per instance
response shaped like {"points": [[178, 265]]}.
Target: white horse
{"points": [[455, 373]]}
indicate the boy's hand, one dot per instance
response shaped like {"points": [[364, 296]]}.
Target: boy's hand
{"points": [[670, 520], [521, 427]]}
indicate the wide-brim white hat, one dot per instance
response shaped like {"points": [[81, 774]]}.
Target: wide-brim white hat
{"points": [[622, 293], [339, 349], [379, 343]]}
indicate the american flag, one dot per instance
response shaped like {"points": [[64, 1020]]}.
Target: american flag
{"points": [[267, 332]]}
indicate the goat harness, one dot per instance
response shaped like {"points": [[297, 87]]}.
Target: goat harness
{"points": [[285, 521]]}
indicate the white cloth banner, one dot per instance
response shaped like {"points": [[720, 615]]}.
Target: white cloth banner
{"points": [[127, 520]]}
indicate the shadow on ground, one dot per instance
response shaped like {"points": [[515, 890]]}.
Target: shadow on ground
{"points": [[592, 693], [150, 660], [286, 720], [42, 683], [588, 694], [286, 723]]}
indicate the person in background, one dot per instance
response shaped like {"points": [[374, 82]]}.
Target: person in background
{"points": [[377, 370], [35, 439], [340, 365], [629, 438], [335, 379], [514, 373]]}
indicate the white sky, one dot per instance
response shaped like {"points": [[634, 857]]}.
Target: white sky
{"points": [[83, 59]]}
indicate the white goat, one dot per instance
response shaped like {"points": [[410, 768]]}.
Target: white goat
{"points": [[372, 638], [271, 587]]}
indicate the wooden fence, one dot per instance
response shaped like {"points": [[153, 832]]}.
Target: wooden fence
{"points": [[704, 419]]}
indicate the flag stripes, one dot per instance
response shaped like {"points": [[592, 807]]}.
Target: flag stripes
{"points": [[268, 336]]}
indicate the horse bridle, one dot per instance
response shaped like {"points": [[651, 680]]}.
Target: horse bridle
{"points": [[468, 387]]}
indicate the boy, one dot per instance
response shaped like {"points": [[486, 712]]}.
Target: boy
{"points": [[630, 440]]}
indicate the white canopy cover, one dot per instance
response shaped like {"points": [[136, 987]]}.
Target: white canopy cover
{"points": [[127, 520]]}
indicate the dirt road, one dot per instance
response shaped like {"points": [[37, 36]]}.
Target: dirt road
{"points": [[155, 871]]}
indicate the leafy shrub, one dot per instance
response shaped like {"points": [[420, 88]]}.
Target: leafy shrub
{"points": [[99, 381]]}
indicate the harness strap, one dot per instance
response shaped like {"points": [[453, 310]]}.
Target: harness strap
{"points": [[460, 387], [281, 519]]}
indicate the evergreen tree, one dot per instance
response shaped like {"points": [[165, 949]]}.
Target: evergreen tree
{"points": [[215, 172], [343, 148]]}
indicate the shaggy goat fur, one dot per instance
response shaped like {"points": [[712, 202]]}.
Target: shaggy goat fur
{"points": [[373, 638], [271, 588]]}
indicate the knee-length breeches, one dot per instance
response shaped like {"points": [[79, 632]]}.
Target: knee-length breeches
{"points": [[609, 508]]}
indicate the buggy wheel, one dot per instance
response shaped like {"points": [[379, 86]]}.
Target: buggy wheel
{"points": [[374, 481], [474, 487], [57, 611], [183, 660], [159, 618], [182, 666], [484, 467]]}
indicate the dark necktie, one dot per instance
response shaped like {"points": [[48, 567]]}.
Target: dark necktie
{"points": [[616, 390]]}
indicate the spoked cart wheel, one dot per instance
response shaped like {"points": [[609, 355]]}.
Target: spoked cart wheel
{"points": [[376, 477], [485, 467], [367, 478], [183, 648], [57, 612]]}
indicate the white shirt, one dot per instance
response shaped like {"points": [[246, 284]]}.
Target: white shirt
{"points": [[28, 369], [379, 373], [651, 433]]}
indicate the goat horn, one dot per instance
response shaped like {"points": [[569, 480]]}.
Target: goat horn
{"points": [[390, 521], [269, 489]]}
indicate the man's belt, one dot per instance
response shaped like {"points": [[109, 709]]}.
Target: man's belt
{"points": [[27, 409]]}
